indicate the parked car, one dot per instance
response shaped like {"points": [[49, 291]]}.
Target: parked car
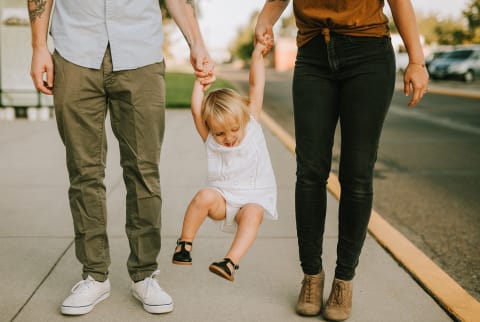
{"points": [[433, 56], [463, 63]]}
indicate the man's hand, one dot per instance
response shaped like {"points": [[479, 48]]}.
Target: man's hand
{"points": [[41, 70], [203, 66]]}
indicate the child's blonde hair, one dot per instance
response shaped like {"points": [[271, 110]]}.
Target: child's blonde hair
{"points": [[225, 103]]}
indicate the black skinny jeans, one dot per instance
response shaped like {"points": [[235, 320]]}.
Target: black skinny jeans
{"points": [[351, 80]]}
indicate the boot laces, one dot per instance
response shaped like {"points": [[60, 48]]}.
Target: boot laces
{"points": [[307, 287], [339, 292]]}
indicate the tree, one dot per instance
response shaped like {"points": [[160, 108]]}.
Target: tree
{"points": [[445, 32], [450, 32], [242, 46], [472, 14], [453, 36], [288, 28], [427, 26]]}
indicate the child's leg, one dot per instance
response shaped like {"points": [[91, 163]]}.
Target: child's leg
{"points": [[248, 219], [207, 202]]}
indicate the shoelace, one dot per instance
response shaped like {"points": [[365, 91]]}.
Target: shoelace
{"points": [[151, 283], [338, 292], [307, 283], [83, 285]]}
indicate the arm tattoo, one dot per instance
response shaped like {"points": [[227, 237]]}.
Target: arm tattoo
{"points": [[191, 3], [36, 8]]}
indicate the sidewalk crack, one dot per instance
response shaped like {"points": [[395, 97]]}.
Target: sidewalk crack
{"points": [[42, 281]]}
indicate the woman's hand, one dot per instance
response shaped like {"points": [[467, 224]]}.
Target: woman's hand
{"points": [[415, 82], [264, 35]]}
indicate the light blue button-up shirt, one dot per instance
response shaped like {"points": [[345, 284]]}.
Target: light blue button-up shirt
{"points": [[81, 31]]}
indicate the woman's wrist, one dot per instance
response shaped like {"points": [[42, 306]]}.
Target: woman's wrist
{"points": [[417, 63]]}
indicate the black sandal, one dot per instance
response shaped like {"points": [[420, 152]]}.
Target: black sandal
{"points": [[222, 269], [182, 257]]}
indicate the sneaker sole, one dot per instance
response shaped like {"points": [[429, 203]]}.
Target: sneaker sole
{"points": [[155, 309], [79, 310]]}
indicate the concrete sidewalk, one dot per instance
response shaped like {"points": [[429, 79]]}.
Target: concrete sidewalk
{"points": [[38, 265]]}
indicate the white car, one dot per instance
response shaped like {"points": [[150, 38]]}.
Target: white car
{"points": [[463, 63]]}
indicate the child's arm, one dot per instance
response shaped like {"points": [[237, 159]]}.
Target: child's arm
{"points": [[197, 99], [257, 80]]}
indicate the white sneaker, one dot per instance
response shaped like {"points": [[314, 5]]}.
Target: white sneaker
{"points": [[153, 298], [85, 295]]}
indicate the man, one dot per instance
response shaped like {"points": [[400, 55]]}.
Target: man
{"points": [[108, 57]]}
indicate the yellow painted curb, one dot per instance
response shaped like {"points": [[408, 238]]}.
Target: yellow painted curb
{"points": [[279, 131], [451, 296], [439, 284]]}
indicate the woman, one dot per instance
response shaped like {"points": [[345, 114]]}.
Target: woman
{"points": [[344, 72]]}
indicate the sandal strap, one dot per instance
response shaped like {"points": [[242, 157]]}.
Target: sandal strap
{"points": [[228, 260], [183, 242]]}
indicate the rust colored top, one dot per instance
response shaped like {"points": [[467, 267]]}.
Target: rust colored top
{"points": [[348, 17]]}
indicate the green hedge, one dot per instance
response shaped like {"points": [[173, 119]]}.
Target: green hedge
{"points": [[179, 88]]}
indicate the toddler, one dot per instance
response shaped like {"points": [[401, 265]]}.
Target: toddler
{"points": [[241, 186]]}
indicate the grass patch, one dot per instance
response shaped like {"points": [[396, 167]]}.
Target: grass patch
{"points": [[179, 88]]}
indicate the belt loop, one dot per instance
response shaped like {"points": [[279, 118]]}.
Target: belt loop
{"points": [[326, 34]]}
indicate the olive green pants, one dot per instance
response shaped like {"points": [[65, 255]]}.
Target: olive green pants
{"points": [[135, 100]]}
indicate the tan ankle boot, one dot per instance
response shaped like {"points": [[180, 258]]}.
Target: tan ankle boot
{"points": [[311, 295], [339, 303]]}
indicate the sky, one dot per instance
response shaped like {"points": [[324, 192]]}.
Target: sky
{"points": [[220, 19]]}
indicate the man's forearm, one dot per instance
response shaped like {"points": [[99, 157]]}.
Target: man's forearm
{"points": [[183, 13], [39, 13]]}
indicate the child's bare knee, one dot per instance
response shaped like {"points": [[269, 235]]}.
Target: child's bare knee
{"points": [[251, 212], [205, 198]]}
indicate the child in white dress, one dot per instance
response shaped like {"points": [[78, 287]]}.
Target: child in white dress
{"points": [[241, 188]]}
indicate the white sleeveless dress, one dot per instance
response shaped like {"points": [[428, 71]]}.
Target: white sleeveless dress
{"points": [[243, 174]]}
